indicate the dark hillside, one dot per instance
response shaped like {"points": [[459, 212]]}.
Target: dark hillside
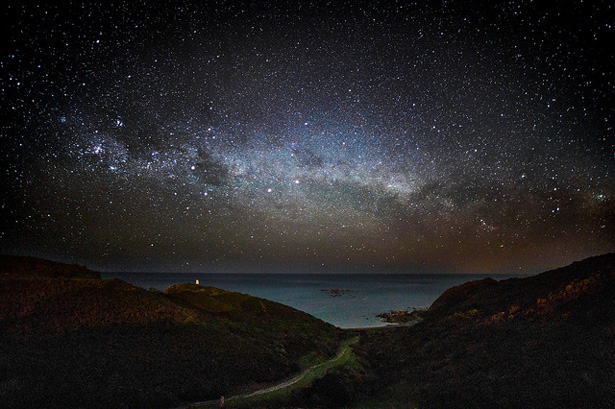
{"points": [[17, 266], [546, 341], [72, 341], [491, 296]]}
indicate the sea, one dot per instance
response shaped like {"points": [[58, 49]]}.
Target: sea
{"points": [[356, 301]]}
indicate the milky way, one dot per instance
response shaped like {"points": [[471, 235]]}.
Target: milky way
{"points": [[372, 137]]}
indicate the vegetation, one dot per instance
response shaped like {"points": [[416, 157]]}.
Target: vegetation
{"points": [[402, 317], [80, 341], [293, 393], [546, 341]]}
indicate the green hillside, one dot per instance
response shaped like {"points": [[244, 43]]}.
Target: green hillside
{"points": [[75, 340]]}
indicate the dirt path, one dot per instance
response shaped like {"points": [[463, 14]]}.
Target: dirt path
{"points": [[299, 377], [283, 385]]}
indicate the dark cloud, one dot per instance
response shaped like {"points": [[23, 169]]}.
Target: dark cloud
{"points": [[208, 170]]}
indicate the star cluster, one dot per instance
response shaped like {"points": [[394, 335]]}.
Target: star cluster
{"points": [[370, 136]]}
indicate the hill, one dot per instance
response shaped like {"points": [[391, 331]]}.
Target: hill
{"points": [[70, 339], [546, 341], [17, 266]]}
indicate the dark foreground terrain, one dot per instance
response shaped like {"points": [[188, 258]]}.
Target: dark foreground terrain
{"points": [[546, 341], [69, 339]]}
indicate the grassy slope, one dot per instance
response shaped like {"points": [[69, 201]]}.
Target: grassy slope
{"points": [[294, 394], [86, 342], [544, 342]]}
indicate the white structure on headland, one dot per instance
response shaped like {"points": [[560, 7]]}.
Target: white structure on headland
{"points": [[197, 282]]}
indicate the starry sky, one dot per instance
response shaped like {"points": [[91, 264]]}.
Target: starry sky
{"points": [[390, 136]]}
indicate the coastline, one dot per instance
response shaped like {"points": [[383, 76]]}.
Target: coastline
{"points": [[372, 294]]}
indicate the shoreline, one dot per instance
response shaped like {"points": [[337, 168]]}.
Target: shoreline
{"points": [[372, 295]]}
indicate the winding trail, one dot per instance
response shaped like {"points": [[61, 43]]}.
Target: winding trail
{"points": [[283, 385]]}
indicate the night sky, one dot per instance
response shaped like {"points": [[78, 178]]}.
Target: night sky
{"points": [[362, 137]]}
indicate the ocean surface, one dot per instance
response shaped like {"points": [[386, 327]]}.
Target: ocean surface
{"points": [[370, 294]]}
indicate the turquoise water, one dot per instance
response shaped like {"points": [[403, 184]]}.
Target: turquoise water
{"points": [[371, 293]]}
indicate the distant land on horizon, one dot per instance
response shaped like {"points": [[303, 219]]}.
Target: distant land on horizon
{"points": [[289, 268]]}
